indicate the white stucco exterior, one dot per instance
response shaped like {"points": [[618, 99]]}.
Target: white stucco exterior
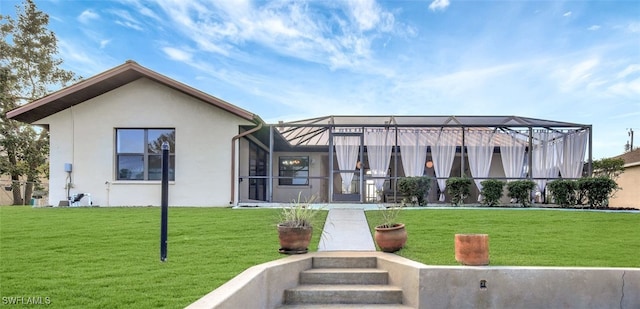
{"points": [[84, 135]]}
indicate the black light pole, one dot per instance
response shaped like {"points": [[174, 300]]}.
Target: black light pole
{"points": [[165, 201]]}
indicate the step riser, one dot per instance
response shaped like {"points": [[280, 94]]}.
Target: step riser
{"points": [[342, 262], [343, 297], [344, 278]]}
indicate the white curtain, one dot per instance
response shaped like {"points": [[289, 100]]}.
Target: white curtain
{"points": [[413, 148], [545, 157], [574, 147], [379, 143], [347, 150], [480, 151], [512, 154], [443, 152]]}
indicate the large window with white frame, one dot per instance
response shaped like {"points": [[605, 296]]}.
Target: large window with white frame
{"points": [[139, 153]]}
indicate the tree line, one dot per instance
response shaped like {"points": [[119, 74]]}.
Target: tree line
{"points": [[29, 69]]}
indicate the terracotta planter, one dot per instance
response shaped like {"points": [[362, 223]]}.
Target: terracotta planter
{"points": [[391, 239], [294, 240], [472, 249]]}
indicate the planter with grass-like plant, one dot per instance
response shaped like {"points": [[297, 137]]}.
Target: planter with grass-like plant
{"points": [[295, 228], [390, 236]]}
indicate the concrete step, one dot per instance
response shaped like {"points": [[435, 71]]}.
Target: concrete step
{"points": [[345, 306], [343, 294], [344, 276], [345, 262]]}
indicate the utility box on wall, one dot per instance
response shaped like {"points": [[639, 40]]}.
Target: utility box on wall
{"points": [[67, 167]]}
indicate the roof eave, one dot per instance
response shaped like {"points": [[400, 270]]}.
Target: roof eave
{"points": [[107, 81]]}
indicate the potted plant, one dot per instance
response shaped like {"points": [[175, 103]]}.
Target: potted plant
{"points": [[295, 226], [390, 235]]}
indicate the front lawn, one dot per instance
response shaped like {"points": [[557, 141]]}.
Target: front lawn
{"points": [[110, 257], [524, 237]]}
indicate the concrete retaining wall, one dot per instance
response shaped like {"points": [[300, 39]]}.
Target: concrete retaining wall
{"points": [[260, 286], [427, 286], [529, 287]]}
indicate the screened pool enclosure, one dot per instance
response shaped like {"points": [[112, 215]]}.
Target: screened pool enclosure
{"points": [[358, 159]]}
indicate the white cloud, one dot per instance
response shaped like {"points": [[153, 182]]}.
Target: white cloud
{"points": [[341, 39], [567, 14], [177, 54], [594, 27], [129, 25], [127, 20], [366, 14], [87, 16], [631, 69], [572, 76], [104, 43], [438, 5], [634, 27]]}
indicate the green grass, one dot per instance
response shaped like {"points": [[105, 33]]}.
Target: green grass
{"points": [[524, 237], [110, 257]]}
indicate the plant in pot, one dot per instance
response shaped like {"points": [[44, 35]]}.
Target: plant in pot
{"points": [[295, 226], [390, 235]]}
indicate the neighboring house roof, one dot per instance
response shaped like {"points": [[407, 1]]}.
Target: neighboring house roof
{"points": [[107, 81], [630, 158]]}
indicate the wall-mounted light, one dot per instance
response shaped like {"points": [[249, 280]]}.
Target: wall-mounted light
{"points": [[429, 164]]}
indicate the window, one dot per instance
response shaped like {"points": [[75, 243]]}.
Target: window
{"points": [[139, 153], [296, 169]]}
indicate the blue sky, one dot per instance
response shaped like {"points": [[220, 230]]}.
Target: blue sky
{"points": [[574, 61]]}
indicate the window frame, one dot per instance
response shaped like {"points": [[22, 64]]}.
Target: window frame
{"points": [[146, 155], [291, 181]]}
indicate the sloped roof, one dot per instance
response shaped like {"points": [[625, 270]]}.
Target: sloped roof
{"points": [[631, 156], [107, 81], [314, 131], [431, 121]]}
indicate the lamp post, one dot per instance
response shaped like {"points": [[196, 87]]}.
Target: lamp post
{"points": [[164, 202]]}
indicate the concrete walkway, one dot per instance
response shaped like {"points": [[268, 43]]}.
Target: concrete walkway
{"points": [[346, 229]]}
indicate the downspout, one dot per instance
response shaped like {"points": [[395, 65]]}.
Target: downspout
{"points": [[233, 159]]}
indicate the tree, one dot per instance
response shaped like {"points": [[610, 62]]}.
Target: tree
{"points": [[29, 70], [608, 167]]}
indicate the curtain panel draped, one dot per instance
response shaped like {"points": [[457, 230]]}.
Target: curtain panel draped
{"points": [[347, 150], [413, 151], [574, 147], [443, 152], [545, 157], [480, 152], [379, 144], [512, 155]]}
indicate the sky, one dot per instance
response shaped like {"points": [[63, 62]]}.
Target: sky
{"points": [[573, 61]]}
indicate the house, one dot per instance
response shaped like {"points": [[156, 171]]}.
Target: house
{"points": [[106, 131], [629, 181]]}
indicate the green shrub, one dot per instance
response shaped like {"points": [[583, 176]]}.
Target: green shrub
{"points": [[491, 191], [564, 192], [414, 188], [458, 188], [521, 190], [597, 190]]}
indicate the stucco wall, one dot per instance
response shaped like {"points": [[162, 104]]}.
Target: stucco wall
{"points": [[629, 181], [84, 135]]}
